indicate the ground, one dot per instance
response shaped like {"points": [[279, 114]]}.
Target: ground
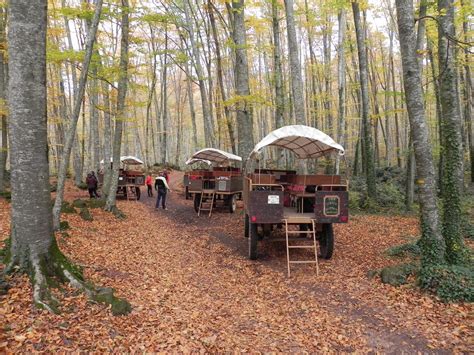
{"points": [[192, 288]]}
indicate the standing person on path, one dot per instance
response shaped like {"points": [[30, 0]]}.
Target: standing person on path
{"points": [[92, 184], [149, 185], [161, 186]]}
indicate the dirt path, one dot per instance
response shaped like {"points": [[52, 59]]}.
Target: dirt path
{"points": [[340, 291], [192, 288]]}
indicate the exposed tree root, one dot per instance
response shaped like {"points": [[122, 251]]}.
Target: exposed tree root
{"points": [[116, 212], [53, 269]]}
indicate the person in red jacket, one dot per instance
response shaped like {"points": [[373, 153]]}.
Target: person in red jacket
{"points": [[149, 185]]}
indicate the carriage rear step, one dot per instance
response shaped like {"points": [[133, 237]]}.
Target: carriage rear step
{"points": [[312, 246], [207, 195]]}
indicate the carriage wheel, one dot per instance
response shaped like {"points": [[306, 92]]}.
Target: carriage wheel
{"points": [[326, 241], [138, 192], [253, 240], [247, 225], [197, 201]]}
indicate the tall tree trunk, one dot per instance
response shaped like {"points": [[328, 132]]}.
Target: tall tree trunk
{"points": [[164, 102], [452, 137], [33, 246], [151, 92], [366, 126], [295, 65], [432, 241], [411, 164], [3, 98], [120, 111], [208, 124], [75, 116], [192, 111], [241, 77], [341, 81], [228, 117]]}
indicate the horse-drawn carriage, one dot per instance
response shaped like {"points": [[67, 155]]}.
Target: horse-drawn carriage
{"points": [[131, 177], [220, 182], [284, 200]]}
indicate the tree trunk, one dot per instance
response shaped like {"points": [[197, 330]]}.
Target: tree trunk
{"points": [[241, 77], [432, 241], [33, 246], [192, 111], [452, 137], [295, 65], [3, 97], [208, 126], [341, 81], [120, 111], [75, 116], [164, 102], [228, 117], [366, 126]]}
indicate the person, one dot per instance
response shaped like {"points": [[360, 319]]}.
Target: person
{"points": [[161, 186], [92, 185], [149, 185]]}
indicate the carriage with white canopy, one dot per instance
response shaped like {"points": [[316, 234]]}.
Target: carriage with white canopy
{"points": [[219, 182], [284, 200], [131, 176]]}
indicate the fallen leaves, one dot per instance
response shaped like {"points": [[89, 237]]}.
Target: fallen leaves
{"points": [[193, 289]]}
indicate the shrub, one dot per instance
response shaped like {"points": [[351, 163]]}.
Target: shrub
{"points": [[66, 207], [449, 282], [7, 195], [407, 249], [86, 214], [397, 275], [82, 186]]}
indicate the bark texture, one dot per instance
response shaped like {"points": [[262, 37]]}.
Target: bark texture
{"points": [[432, 241], [452, 137], [3, 97], [241, 77], [366, 125], [120, 111], [295, 65]]}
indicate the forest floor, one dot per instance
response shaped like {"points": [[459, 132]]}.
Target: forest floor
{"points": [[192, 288]]}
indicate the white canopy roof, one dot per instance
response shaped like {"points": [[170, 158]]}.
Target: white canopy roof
{"points": [[215, 156], [304, 141], [127, 159], [194, 160]]}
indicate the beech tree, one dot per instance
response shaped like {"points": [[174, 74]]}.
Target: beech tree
{"points": [[33, 248], [431, 238], [3, 97]]}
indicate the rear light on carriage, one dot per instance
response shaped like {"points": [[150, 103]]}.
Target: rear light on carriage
{"points": [[253, 219], [344, 218]]}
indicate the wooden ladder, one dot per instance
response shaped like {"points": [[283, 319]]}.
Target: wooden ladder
{"points": [[131, 192], [311, 246], [207, 195]]}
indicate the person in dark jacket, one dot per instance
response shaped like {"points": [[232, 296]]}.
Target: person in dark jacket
{"points": [[92, 185], [161, 186]]}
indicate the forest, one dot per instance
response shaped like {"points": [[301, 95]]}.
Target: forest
{"points": [[387, 86]]}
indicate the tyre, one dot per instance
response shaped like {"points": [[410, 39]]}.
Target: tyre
{"points": [[253, 240], [326, 241], [186, 193], [246, 225], [138, 192], [232, 203], [197, 201]]}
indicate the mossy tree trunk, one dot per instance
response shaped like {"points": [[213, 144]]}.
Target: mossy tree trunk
{"points": [[32, 248], [452, 136], [366, 141], [432, 241]]}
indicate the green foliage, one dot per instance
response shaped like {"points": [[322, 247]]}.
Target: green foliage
{"points": [[407, 249], [119, 306], [449, 282], [86, 214], [7, 195], [66, 207], [397, 275], [64, 225], [82, 186], [78, 203]]}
